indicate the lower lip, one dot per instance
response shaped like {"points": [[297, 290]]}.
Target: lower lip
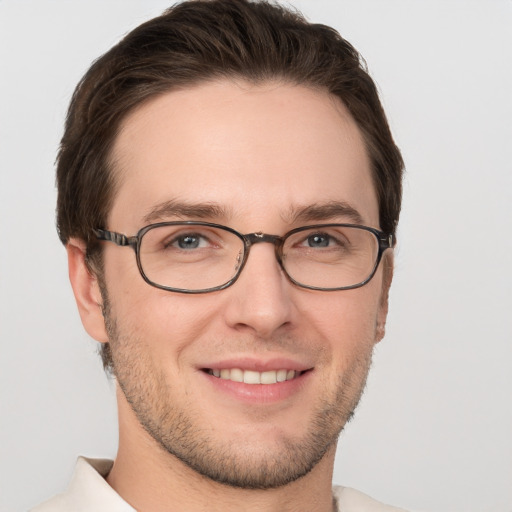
{"points": [[259, 393]]}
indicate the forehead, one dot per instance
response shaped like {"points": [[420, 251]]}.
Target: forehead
{"points": [[256, 151]]}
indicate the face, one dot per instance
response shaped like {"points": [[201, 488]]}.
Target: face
{"points": [[264, 158]]}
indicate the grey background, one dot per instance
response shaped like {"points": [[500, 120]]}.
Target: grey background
{"points": [[434, 430]]}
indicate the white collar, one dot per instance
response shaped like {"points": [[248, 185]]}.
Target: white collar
{"points": [[87, 491]]}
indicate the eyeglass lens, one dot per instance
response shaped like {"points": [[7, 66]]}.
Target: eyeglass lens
{"points": [[197, 257]]}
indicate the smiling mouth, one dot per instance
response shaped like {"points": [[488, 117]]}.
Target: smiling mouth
{"points": [[253, 377]]}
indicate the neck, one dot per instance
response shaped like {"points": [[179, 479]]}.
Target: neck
{"points": [[150, 479]]}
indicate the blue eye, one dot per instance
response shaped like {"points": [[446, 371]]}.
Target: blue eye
{"points": [[188, 242], [318, 240]]}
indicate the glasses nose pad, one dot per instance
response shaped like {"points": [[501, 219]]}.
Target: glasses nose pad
{"points": [[280, 256], [239, 259]]}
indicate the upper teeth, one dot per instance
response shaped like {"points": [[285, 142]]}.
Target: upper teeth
{"points": [[252, 377]]}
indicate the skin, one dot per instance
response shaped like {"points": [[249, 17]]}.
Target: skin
{"points": [[258, 152]]}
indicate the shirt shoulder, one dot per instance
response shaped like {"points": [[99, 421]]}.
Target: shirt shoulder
{"points": [[88, 491], [351, 500]]}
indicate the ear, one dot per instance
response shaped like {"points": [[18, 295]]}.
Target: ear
{"points": [[387, 277], [87, 291]]}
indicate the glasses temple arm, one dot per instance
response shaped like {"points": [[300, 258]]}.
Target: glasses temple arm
{"points": [[112, 236]]}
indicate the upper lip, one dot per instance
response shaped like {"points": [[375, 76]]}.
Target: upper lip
{"points": [[258, 364]]}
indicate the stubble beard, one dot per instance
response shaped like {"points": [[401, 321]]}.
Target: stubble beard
{"points": [[177, 431]]}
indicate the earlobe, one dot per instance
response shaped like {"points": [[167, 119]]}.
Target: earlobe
{"points": [[86, 290], [387, 277]]}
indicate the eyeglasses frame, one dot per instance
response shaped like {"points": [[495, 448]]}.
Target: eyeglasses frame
{"points": [[385, 241]]}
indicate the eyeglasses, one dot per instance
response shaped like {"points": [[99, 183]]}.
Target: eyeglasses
{"points": [[201, 257]]}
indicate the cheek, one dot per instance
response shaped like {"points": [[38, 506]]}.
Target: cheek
{"points": [[165, 323], [345, 322], [349, 314], [142, 308]]}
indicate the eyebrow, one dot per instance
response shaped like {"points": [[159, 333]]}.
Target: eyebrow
{"points": [[331, 210], [324, 212], [184, 210]]}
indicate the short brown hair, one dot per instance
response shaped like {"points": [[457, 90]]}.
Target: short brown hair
{"points": [[195, 41]]}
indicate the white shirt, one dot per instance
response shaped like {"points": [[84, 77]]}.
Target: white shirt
{"points": [[90, 492]]}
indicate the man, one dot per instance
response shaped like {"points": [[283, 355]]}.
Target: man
{"points": [[229, 193]]}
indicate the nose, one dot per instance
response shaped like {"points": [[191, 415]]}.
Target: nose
{"points": [[260, 301]]}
